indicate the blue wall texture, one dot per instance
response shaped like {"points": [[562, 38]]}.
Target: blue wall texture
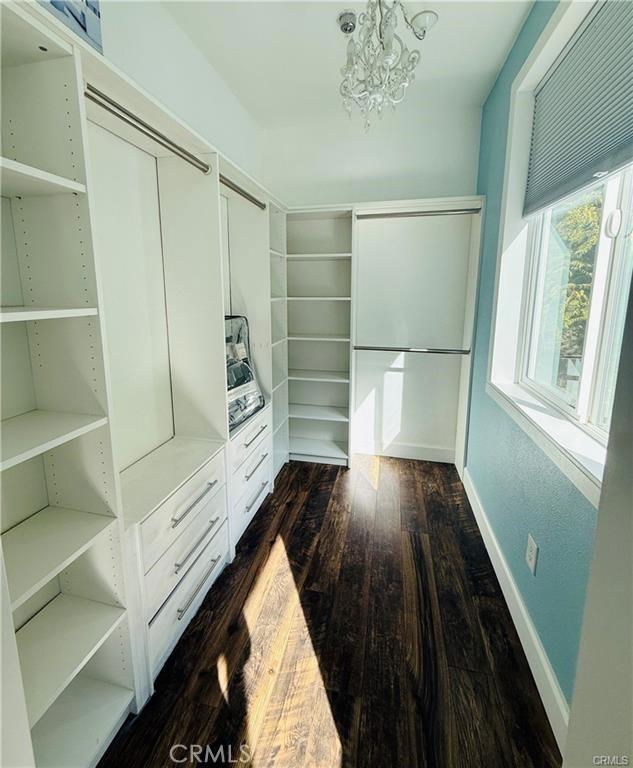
{"points": [[521, 490]]}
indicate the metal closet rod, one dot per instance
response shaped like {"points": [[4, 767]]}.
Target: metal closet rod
{"points": [[423, 350], [118, 110], [241, 191], [407, 214]]}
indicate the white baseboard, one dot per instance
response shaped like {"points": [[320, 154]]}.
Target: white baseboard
{"points": [[552, 697], [407, 451]]}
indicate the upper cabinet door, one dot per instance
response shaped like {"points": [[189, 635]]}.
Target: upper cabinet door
{"points": [[412, 281]]}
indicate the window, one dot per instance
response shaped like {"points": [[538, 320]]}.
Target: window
{"points": [[580, 263]]}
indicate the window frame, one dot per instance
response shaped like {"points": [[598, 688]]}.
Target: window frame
{"points": [[609, 262]]}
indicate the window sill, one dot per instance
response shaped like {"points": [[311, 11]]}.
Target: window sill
{"points": [[578, 455]]}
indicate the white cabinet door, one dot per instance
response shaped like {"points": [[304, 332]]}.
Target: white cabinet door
{"points": [[412, 281]]}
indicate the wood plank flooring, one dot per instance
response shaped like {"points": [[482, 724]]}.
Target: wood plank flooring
{"points": [[360, 624]]}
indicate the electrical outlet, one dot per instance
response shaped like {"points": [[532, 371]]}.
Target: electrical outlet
{"points": [[531, 554]]}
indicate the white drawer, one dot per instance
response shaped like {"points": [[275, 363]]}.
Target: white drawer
{"points": [[169, 623], [247, 438], [165, 524], [244, 509], [244, 476], [163, 576]]}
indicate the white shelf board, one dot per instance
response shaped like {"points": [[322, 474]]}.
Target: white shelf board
{"points": [[78, 727], [279, 341], [57, 642], [22, 314], [278, 254], [148, 482], [318, 337], [336, 377], [20, 180], [280, 384], [318, 298], [278, 298], [317, 412], [36, 432], [318, 256], [39, 548], [311, 447]]}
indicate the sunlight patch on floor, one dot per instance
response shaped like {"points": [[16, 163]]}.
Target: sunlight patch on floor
{"points": [[289, 715]]}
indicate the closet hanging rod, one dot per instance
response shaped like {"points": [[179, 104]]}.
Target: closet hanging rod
{"points": [[406, 214], [241, 191], [423, 350], [116, 109]]}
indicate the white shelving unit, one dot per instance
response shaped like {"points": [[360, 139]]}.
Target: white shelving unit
{"points": [[319, 263], [62, 559], [279, 327]]}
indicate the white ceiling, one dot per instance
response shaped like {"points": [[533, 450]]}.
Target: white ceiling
{"points": [[282, 59]]}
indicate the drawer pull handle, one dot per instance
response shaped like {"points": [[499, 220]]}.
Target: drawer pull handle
{"points": [[175, 521], [194, 594], [179, 566], [252, 440], [248, 476], [248, 507]]}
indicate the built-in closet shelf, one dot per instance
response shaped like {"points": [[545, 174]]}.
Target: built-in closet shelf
{"points": [[76, 728], [318, 256], [39, 548], [278, 254], [335, 377], [278, 298], [279, 341], [36, 432], [318, 337], [19, 180], [280, 384], [319, 298], [56, 644], [22, 314], [147, 483], [317, 412], [304, 446]]}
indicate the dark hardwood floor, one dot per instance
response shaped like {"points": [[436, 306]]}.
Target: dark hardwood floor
{"points": [[360, 624]]}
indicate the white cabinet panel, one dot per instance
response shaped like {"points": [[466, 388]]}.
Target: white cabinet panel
{"points": [[406, 404], [412, 281], [127, 235]]}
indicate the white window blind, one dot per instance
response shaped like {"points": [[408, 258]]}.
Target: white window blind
{"points": [[583, 112]]}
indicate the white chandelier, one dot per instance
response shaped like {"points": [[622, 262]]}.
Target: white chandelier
{"points": [[379, 65]]}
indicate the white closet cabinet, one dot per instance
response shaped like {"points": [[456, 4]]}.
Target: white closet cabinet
{"points": [[159, 239], [245, 231], [319, 299], [65, 617], [415, 283]]}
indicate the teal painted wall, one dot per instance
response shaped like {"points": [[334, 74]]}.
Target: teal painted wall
{"points": [[521, 490]]}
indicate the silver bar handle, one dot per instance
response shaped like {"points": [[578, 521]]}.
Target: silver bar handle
{"points": [[179, 566], [424, 350], [252, 440], [194, 594], [248, 476], [248, 507], [175, 521]]}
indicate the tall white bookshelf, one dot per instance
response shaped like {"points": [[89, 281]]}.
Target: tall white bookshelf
{"points": [[62, 573], [279, 336], [319, 291]]}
